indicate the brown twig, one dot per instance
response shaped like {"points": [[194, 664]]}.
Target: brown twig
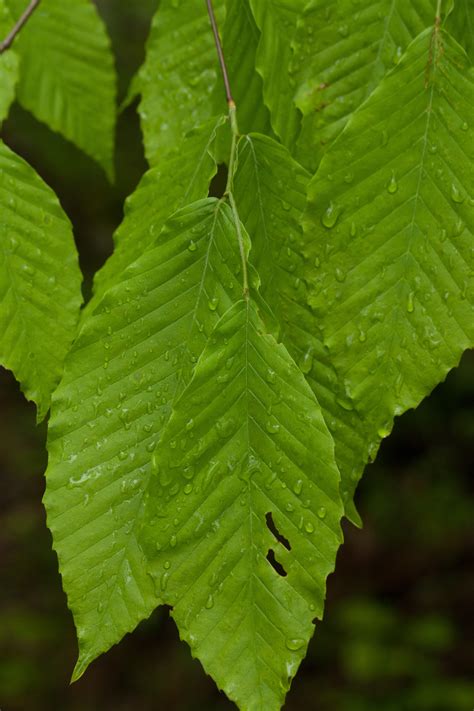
{"points": [[220, 53], [8, 41]]}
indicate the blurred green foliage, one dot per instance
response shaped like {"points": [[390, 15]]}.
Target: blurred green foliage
{"points": [[398, 629]]}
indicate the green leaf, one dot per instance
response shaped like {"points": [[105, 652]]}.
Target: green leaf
{"points": [[390, 218], [241, 39], [270, 188], [343, 48], [461, 24], [246, 450], [183, 176], [40, 281], [277, 20], [8, 64], [67, 75], [178, 77], [134, 355]]}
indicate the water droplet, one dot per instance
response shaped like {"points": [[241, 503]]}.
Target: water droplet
{"points": [[295, 644], [392, 187], [272, 426], [225, 428], [410, 303], [309, 528], [298, 487], [209, 602], [213, 303], [167, 565], [306, 362], [192, 246], [330, 217], [383, 431], [340, 275], [345, 403], [188, 489], [189, 425], [164, 580], [270, 376], [456, 194], [353, 229], [322, 512]]}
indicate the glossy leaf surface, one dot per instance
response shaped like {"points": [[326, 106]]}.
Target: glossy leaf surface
{"points": [[40, 281], [271, 189], [67, 75], [245, 482], [134, 355], [390, 218], [342, 51]]}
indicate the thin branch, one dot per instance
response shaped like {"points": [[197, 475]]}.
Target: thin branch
{"points": [[8, 41], [220, 53], [233, 151]]}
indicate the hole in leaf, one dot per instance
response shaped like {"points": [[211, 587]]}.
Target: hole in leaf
{"points": [[281, 539], [219, 181], [277, 567]]}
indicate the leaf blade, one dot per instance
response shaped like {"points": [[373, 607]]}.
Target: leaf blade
{"points": [[134, 354], [161, 192], [248, 624], [398, 293], [342, 51], [277, 21], [40, 280], [179, 75], [67, 75], [270, 188], [461, 24]]}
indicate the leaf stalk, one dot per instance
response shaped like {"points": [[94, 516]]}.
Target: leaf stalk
{"points": [[233, 151]]}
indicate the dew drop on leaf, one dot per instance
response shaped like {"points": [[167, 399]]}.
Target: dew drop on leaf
{"points": [[272, 427], [456, 194], [392, 187], [306, 361], [298, 487], [330, 217], [322, 512], [295, 644], [270, 375]]}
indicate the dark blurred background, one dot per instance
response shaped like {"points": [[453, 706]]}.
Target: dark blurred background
{"points": [[398, 630]]}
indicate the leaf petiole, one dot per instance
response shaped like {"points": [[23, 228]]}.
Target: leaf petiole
{"points": [[233, 151]]}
